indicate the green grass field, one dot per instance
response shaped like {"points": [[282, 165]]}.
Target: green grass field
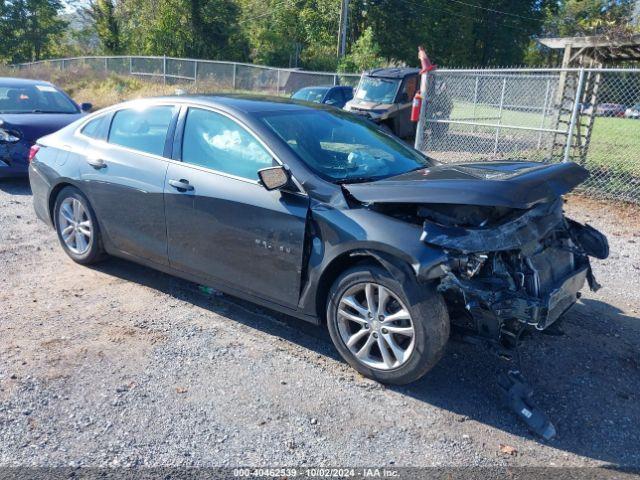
{"points": [[615, 142], [613, 156]]}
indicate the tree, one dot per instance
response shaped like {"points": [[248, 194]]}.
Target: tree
{"points": [[183, 28], [30, 28], [106, 25], [364, 55]]}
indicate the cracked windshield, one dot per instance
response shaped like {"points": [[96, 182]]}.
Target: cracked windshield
{"points": [[344, 149]]}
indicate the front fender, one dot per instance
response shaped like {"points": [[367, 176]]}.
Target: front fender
{"points": [[361, 231]]}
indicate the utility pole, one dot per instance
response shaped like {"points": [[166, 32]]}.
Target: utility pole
{"points": [[342, 32]]}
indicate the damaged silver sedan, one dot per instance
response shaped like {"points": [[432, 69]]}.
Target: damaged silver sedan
{"points": [[321, 215]]}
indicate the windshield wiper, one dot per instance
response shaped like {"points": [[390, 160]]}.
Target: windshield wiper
{"points": [[45, 111], [359, 179]]}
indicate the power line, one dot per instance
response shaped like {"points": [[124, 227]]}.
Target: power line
{"points": [[500, 12], [455, 14], [281, 3]]}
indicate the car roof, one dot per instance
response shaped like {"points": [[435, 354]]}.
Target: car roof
{"points": [[243, 103], [20, 82], [396, 72], [326, 86]]}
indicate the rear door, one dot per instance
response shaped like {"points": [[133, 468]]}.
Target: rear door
{"points": [[124, 179], [221, 223]]}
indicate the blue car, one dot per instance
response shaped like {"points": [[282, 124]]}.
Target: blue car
{"points": [[30, 109], [336, 96]]}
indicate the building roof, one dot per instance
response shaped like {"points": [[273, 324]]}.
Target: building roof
{"points": [[600, 47]]}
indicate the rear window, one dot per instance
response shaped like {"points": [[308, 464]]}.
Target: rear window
{"points": [[96, 128], [143, 129], [310, 94]]}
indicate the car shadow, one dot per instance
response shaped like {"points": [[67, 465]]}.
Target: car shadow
{"points": [[587, 380], [15, 186]]}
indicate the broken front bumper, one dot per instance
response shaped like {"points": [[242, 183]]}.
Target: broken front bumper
{"points": [[542, 312], [483, 300]]}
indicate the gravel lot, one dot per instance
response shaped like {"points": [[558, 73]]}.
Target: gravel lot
{"points": [[122, 365]]}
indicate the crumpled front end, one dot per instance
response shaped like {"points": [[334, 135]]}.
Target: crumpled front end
{"points": [[519, 267], [14, 158]]}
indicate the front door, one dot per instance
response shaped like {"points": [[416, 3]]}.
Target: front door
{"points": [[221, 223]]}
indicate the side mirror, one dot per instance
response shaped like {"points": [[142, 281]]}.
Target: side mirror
{"points": [[86, 107], [273, 178]]}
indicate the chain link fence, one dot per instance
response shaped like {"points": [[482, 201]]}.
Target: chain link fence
{"points": [[208, 73], [590, 116]]}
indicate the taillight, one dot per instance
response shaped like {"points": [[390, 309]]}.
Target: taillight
{"points": [[33, 151]]}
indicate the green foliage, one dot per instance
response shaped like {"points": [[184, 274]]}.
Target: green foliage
{"points": [[588, 17], [29, 28], [364, 55], [106, 25], [183, 28], [303, 33]]}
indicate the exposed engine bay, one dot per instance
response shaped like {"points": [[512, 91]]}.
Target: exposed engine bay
{"points": [[508, 260], [508, 267]]}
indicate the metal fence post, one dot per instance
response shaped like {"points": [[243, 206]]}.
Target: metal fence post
{"points": [[235, 72], [574, 117], [422, 120], [195, 72], [164, 69], [475, 100], [130, 65], [278, 82], [544, 112], [504, 87]]}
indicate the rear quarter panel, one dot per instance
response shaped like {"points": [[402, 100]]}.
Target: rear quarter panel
{"points": [[55, 165]]}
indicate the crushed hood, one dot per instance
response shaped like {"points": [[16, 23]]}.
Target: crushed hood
{"points": [[500, 184]]}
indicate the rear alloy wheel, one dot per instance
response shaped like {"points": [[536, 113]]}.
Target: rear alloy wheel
{"points": [[77, 226], [390, 331]]}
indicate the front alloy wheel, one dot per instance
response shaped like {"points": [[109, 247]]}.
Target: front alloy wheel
{"points": [[376, 326], [390, 330]]}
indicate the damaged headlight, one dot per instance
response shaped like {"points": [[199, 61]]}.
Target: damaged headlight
{"points": [[469, 265], [474, 264], [7, 136]]}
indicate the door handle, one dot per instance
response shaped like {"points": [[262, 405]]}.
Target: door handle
{"points": [[182, 185], [96, 163]]}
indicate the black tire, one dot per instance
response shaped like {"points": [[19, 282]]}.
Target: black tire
{"points": [[428, 314], [95, 251]]}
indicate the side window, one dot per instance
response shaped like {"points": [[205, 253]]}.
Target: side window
{"points": [[96, 127], [214, 141], [142, 129], [410, 87], [335, 97], [348, 93]]}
